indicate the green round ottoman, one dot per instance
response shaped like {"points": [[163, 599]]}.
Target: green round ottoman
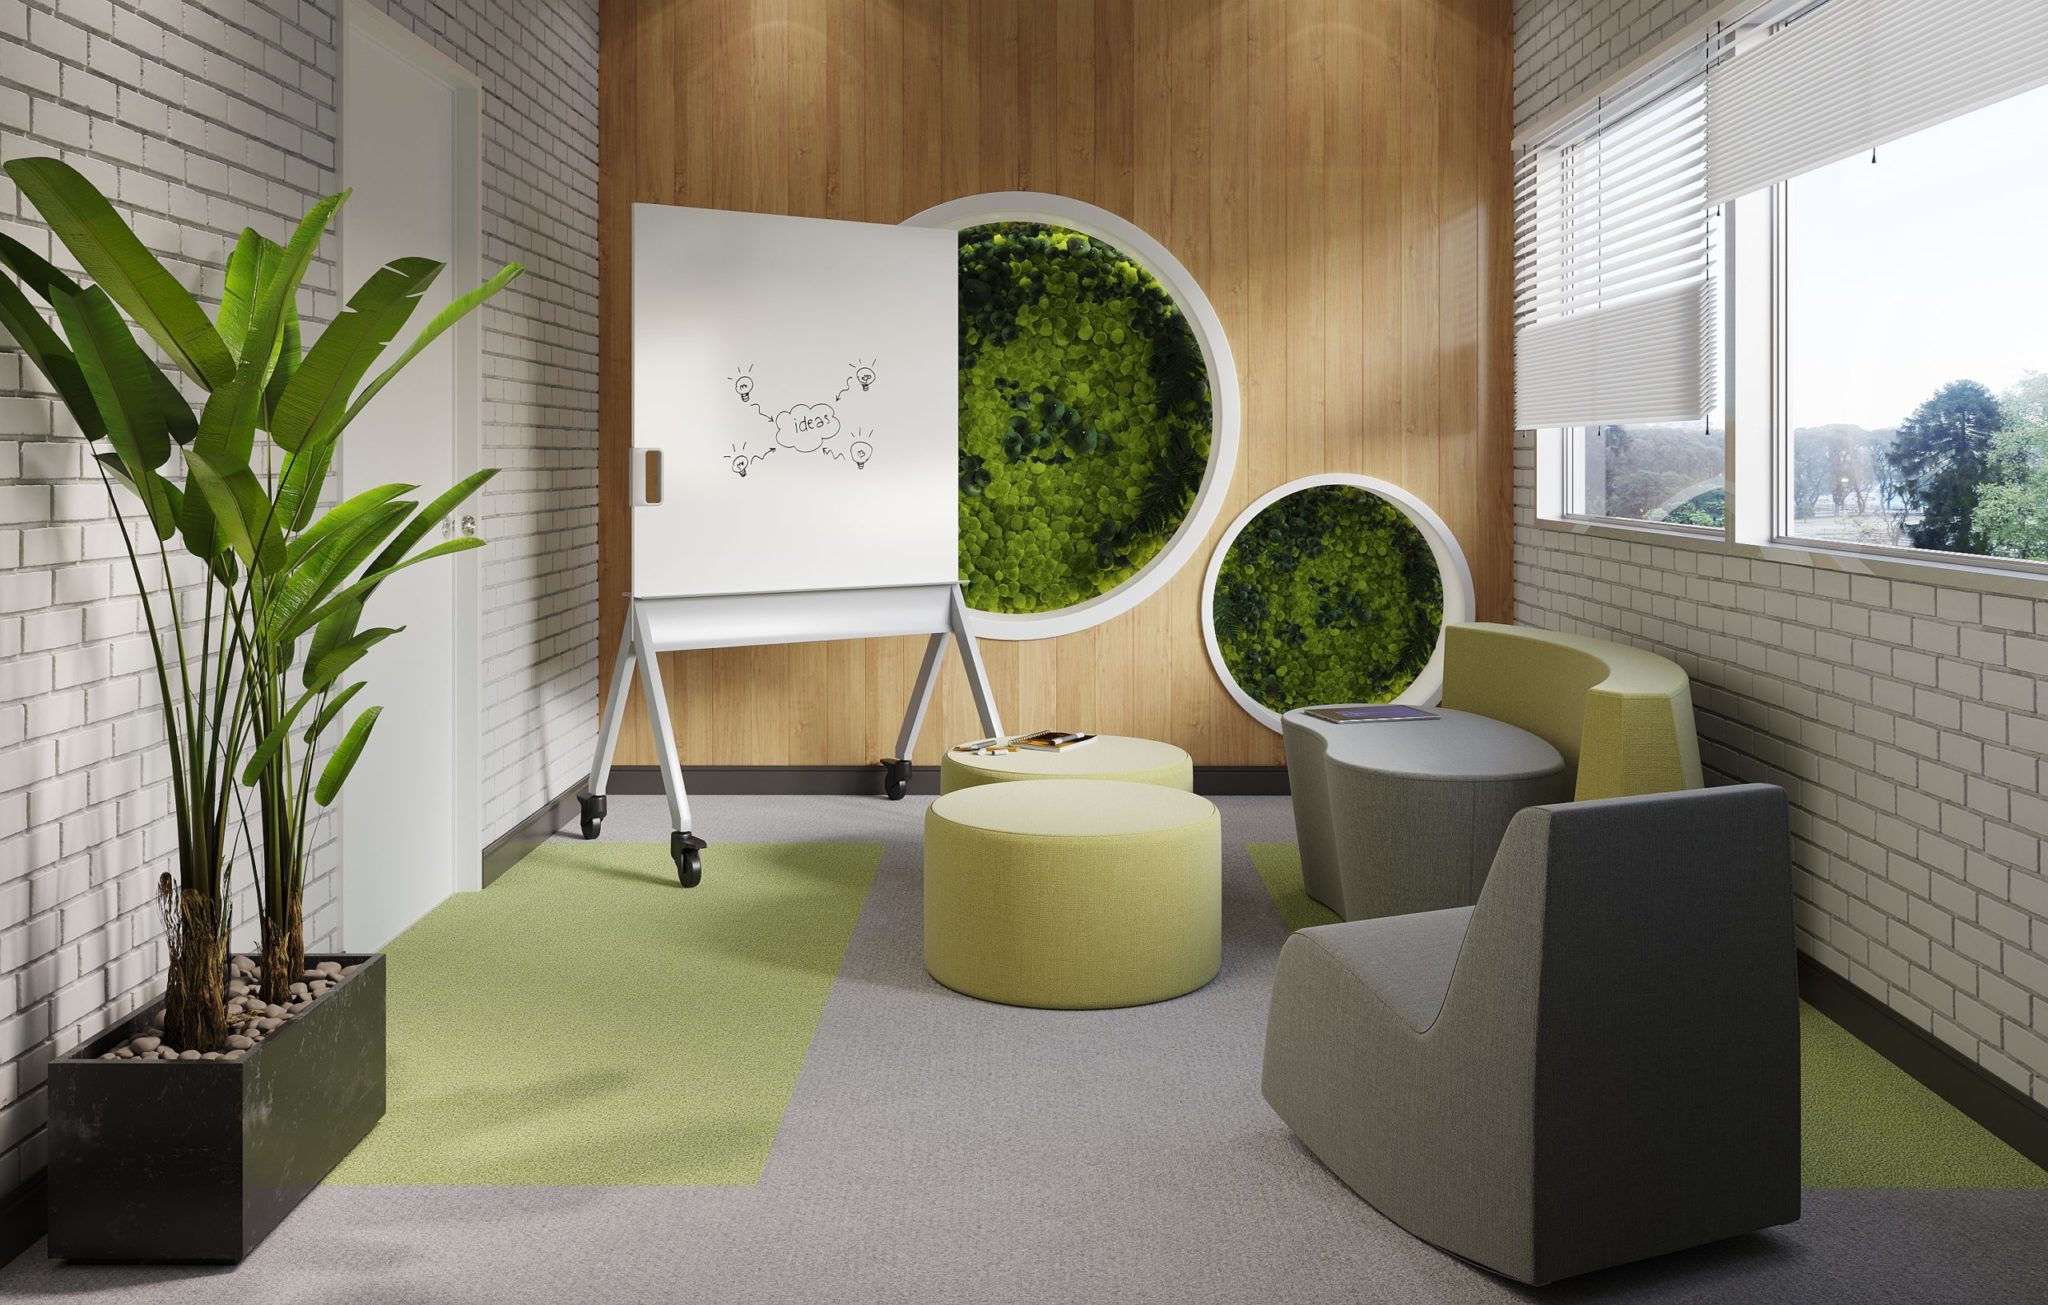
{"points": [[1107, 756], [1075, 894]]}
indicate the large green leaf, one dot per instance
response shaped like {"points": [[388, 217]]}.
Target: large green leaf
{"points": [[444, 319], [330, 711], [227, 426], [241, 509], [355, 592], [342, 514], [431, 516], [36, 272], [51, 356], [327, 567], [238, 295], [161, 498], [334, 630], [328, 669], [344, 758], [268, 747], [118, 263], [312, 405], [298, 490], [120, 376]]}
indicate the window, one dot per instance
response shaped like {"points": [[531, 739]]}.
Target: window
{"points": [[1916, 340], [1668, 473]]}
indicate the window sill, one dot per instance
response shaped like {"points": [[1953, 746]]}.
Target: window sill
{"points": [[2027, 580]]}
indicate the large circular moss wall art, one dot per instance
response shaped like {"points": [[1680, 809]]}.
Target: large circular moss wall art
{"points": [[1084, 417], [1092, 422], [1333, 589]]}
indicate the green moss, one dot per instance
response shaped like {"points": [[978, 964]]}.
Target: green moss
{"points": [[1084, 417], [1329, 595]]}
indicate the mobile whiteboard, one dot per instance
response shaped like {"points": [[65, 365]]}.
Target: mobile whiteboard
{"points": [[797, 380]]}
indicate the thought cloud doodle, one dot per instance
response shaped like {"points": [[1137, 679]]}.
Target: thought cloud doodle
{"points": [[806, 427]]}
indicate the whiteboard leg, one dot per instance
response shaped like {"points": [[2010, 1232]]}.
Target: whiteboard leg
{"points": [[664, 732], [977, 674], [921, 696], [591, 804], [614, 709]]}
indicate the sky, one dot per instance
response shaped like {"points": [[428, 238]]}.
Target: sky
{"points": [[1929, 266]]}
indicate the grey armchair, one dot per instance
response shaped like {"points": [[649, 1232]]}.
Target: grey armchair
{"points": [[1597, 1063]]}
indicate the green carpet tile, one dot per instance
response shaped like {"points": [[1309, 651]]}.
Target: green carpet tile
{"points": [[585, 1021], [1865, 1121]]}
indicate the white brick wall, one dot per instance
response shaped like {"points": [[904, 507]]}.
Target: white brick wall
{"points": [[1901, 716], [201, 117], [1565, 48]]}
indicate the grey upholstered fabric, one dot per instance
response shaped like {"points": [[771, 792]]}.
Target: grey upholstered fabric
{"points": [[1405, 960], [1614, 1070], [1395, 818]]}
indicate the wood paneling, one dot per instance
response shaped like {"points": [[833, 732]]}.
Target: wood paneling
{"points": [[1334, 172]]}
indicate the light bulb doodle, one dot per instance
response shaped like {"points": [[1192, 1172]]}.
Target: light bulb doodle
{"points": [[861, 452]]}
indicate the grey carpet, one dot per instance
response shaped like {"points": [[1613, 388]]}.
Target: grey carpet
{"points": [[939, 1149]]}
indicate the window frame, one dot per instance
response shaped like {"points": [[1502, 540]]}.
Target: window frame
{"points": [[1755, 390], [1774, 282]]}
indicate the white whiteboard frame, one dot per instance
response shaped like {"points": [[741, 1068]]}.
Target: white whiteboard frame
{"points": [[1459, 604], [1225, 407]]}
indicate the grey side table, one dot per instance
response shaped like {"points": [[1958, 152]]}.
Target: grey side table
{"points": [[1401, 816]]}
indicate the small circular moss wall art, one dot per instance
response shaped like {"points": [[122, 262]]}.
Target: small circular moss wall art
{"points": [[1093, 426], [1333, 589]]}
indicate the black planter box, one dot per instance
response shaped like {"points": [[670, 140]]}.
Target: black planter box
{"points": [[196, 1161]]}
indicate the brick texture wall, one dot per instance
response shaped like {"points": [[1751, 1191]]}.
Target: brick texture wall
{"points": [[1901, 716], [201, 117]]}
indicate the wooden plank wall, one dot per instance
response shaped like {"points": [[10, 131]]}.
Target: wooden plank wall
{"points": [[1334, 172]]}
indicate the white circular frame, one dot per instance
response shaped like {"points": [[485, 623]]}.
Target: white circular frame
{"points": [[1428, 684], [1225, 415]]}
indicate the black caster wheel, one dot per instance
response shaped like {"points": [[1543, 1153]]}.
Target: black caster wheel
{"points": [[895, 777], [592, 805], [686, 850]]}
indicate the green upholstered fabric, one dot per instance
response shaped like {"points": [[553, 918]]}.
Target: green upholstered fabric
{"points": [[1075, 894], [1622, 717], [1109, 756]]}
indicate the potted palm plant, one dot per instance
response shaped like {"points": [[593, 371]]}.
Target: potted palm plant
{"points": [[253, 599]]}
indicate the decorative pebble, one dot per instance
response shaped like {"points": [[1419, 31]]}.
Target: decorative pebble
{"points": [[108, 1055], [124, 1053], [269, 1025], [236, 1042], [188, 1055], [234, 1055], [332, 968], [274, 1012], [211, 1055], [146, 1043], [348, 971], [297, 990]]}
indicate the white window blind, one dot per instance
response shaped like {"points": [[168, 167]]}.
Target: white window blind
{"points": [[1613, 297], [1850, 75]]}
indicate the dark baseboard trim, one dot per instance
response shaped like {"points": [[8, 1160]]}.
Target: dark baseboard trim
{"points": [[2011, 1117], [866, 781], [24, 1217], [508, 848]]}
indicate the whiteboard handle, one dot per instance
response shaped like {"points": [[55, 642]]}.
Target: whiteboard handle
{"points": [[644, 473]]}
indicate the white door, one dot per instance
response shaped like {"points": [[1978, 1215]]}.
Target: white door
{"points": [[409, 816]]}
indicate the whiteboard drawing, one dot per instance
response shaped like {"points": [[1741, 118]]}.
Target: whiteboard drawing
{"points": [[798, 378], [804, 427]]}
